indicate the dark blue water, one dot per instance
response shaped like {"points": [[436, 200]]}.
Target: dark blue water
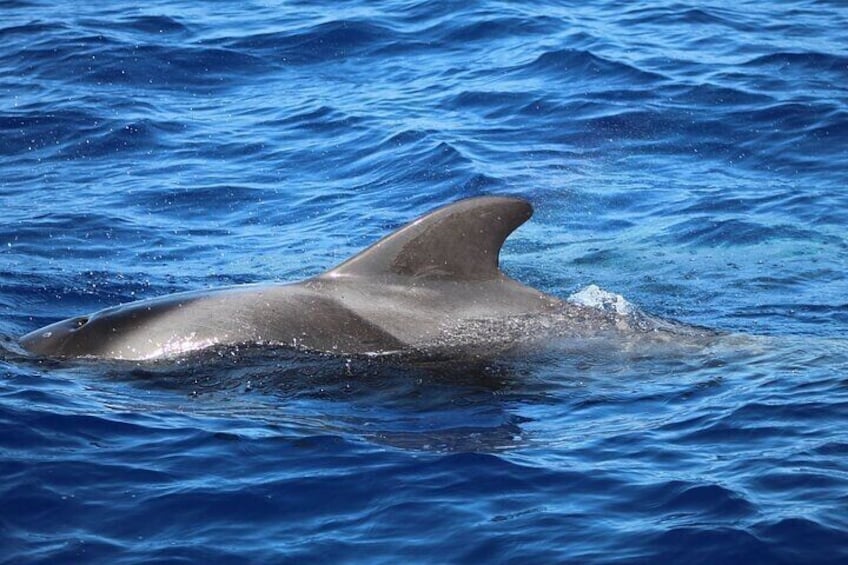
{"points": [[690, 156]]}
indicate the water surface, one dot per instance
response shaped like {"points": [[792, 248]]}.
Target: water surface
{"points": [[688, 156]]}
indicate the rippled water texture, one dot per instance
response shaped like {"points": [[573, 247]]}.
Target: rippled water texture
{"points": [[691, 157]]}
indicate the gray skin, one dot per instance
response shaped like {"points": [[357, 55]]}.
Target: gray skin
{"points": [[434, 282]]}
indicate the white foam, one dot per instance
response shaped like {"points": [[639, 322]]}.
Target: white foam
{"points": [[594, 296]]}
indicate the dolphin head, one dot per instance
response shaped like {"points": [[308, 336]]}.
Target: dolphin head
{"points": [[68, 338], [135, 330], [104, 333]]}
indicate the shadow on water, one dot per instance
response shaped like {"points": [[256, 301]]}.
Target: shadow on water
{"points": [[481, 405], [425, 406]]}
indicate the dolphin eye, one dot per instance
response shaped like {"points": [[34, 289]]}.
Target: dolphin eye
{"points": [[80, 322]]}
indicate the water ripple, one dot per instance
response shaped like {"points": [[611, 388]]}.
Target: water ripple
{"points": [[690, 157]]}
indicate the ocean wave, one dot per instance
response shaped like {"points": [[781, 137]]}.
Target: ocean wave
{"points": [[688, 157], [324, 42], [586, 67]]}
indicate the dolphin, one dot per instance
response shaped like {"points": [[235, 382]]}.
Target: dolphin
{"points": [[432, 286]]}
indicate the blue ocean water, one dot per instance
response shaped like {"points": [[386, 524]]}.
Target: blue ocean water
{"points": [[690, 156]]}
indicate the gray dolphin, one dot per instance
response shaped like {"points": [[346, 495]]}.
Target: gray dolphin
{"points": [[433, 285]]}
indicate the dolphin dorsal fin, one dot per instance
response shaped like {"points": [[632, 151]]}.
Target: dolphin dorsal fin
{"points": [[460, 241]]}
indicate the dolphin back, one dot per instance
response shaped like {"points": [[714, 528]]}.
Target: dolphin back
{"points": [[461, 241]]}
